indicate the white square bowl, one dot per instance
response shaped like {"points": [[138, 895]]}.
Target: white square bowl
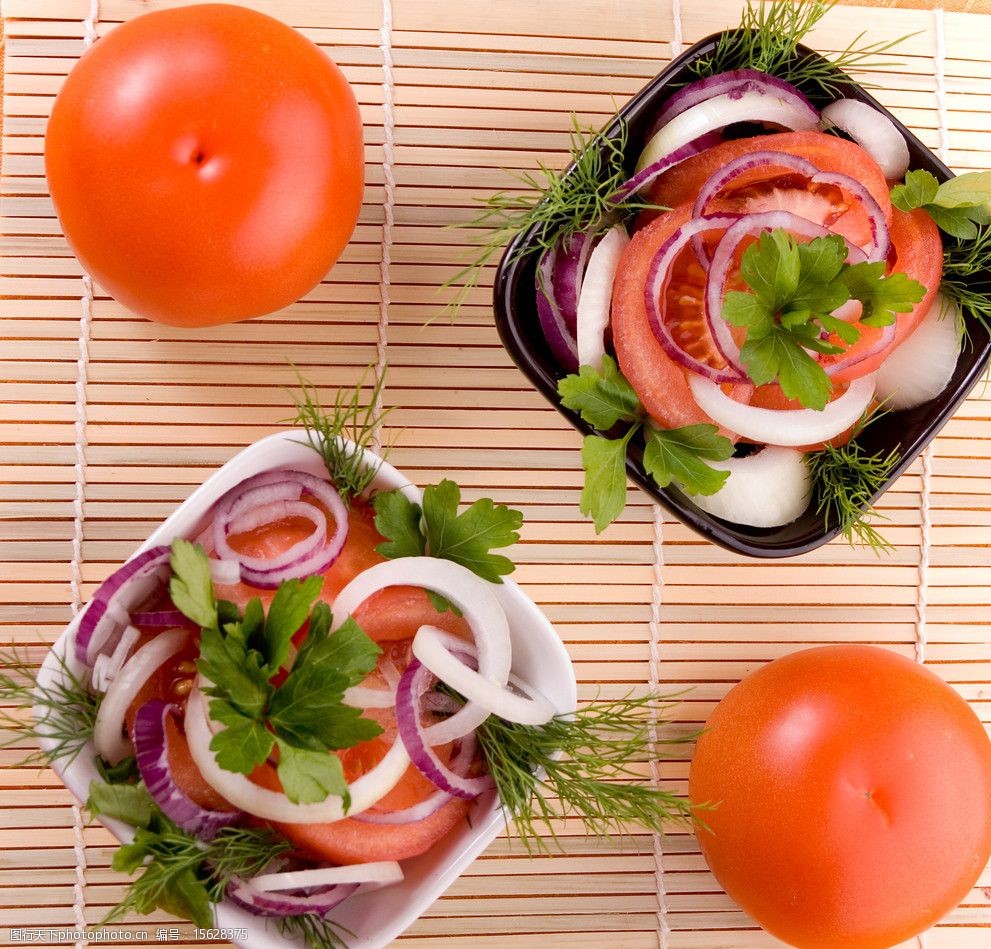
{"points": [[539, 657]]}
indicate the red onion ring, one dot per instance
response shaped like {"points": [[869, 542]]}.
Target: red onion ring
{"points": [[162, 618], [570, 263], [281, 905], [417, 680], [722, 259], [127, 588], [653, 293], [271, 496], [151, 749], [734, 82], [560, 339]]}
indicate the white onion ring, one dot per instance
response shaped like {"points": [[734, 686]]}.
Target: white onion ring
{"points": [[106, 667], [379, 873], [790, 428], [431, 648], [108, 737], [873, 131], [477, 602], [596, 296], [363, 696], [225, 572], [247, 796]]}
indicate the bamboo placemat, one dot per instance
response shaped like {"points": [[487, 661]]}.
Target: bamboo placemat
{"points": [[101, 439]]}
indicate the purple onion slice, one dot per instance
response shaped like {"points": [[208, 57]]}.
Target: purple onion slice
{"points": [[151, 748]]}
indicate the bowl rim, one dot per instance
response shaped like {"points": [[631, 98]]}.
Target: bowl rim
{"points": [[528, 626], [734, 537]]}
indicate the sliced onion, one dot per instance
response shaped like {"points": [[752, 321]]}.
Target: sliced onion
{"points": [[108, 731], [789, 427], [106, 667], [653, 301], [852, 357], [596, 296], [430, 648], [722, 261], [559, 338], [569, 272], [922, 366], [664, 150], [124, 591], [379, 873], [265, 903], [162, 619], [472, 595], [225, 572], [365, 791], [362, 696], [417, 680], [270, 496], [735, 81], [151, 749], [460, 763], [767, 489], [880, 239], [873, 131]]}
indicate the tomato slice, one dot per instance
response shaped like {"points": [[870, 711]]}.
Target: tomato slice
{"points": [[765, 189], [660, 382]]}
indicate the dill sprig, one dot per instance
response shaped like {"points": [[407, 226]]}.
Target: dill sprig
{"points": [[65, 712], [966, 265], [768, 41], [582, 760], [846, 478], [347, 418], [315, 932], [559, 205]]}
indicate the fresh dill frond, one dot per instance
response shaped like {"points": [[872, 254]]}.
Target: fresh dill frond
{"points": [[768, 41], [966, 268], [845, 479], [315, 932], [348, 418], [63, 714], [599, 747], [184, 874], [559, 205]]}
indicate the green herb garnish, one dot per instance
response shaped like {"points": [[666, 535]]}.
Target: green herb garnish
{"points": [[769, 39], [795, 288], [963, 262], [184, 874], [959, 206], [846, 478], [558, 205], [605, 399], [305, 717], [66, 710], [581, 760], [347, 419]]}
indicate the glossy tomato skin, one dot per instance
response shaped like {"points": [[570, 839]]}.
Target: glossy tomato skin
{"points": [[206, 164], [853, 797]]}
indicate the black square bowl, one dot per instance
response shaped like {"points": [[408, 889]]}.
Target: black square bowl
{"points": [[908, 431]]}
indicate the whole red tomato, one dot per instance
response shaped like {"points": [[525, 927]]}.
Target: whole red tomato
{"points": [[852, 793], [206, 164]]}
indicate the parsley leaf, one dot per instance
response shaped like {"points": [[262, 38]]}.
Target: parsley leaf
{"points": [[130, 803], [287, 612], [788, 313], [882, 297], [959, 206], [191, 586], [348, 652], [233, 670], [676, 455], [398, 518], [602, 399], [604, 494], [244, 744], [439, 530], [308, 776]]}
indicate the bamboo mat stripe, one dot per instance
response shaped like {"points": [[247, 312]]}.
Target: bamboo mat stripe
{"points": [[107, 422]]}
